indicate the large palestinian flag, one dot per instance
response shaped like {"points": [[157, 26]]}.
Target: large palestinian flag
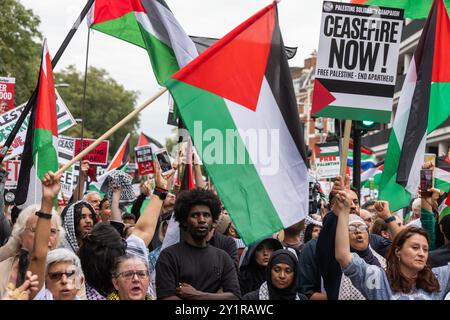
{"points": [[148, 24], [414, 9], [240, 92], [40, 150], [424, 104]]}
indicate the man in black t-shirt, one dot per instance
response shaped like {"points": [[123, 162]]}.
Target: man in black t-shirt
{"points": [[192, 269]]}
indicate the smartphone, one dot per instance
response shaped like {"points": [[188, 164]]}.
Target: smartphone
{"points": [[164, 161], [426, 181]]}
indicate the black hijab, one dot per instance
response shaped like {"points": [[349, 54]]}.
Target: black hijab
{"points": [[287, 257], [251, 274]]}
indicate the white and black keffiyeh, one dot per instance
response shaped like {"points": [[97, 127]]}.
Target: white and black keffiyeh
{"points": [[123, 180], [264, 292], [70, 240]]}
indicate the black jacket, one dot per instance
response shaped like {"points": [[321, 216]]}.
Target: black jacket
{"points": [[440, 257]]}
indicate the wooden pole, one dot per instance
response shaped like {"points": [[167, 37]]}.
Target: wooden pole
{"points": [[111, 131], [344, 154]]}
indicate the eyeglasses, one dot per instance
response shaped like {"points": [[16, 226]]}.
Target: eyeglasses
{"points": [[359, 228], [53, 231], [128, 275], [56, 276]]}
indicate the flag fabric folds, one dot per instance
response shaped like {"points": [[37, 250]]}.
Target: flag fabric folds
{"points": [[423, 106], [242, 85], [40, 150], [149, 24]]}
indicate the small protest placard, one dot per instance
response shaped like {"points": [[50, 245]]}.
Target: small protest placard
{"points": [[7, 93], [357, 62], [144, 158], [98, 156]]}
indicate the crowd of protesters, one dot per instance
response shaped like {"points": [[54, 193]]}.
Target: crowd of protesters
{"points": [[184, 245]]}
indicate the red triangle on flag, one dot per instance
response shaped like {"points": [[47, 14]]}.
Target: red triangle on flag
{"points": [[215, 72], [321, 97], [143, 141], [441, 62]]}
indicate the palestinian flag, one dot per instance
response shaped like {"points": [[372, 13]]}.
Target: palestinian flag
{"points": [[150, 25], [145, 140], [40, 153], [422, 107], [122, 156], [442, 174], [237, 89], [414, 9], [444, 209]]}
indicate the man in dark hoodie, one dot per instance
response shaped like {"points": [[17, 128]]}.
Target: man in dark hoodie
{"points": [[252, 271]]}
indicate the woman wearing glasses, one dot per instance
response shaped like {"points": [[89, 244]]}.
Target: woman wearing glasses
{"points": [[408, 275], [131, 278]]}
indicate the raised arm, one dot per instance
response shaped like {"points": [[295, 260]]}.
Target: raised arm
{"points": [[50, 188], [116, 214], [341, 207], [146, 225], [383, 212]]}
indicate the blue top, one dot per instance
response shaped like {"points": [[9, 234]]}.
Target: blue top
{"points": [[373, 283]]}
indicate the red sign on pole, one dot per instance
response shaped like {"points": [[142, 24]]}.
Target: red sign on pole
{"points": [[6, 94], [98, 156], [145, 160]]}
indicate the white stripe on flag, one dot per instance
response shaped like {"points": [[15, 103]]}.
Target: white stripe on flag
{"points": [[287, 186], [404, 103], [360, 101]]}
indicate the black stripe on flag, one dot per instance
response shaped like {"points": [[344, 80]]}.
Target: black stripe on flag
{"points": [[280, 81], [417, 125], [352, 87]]}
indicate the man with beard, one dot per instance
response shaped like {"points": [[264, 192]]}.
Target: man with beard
{"points": [[193, 269]]}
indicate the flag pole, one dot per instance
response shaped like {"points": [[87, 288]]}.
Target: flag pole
{"points": [[31, 101], [344, 153], [83, 107], [108, 133]]}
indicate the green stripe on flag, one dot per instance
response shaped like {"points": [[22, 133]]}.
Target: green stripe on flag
{"points": [[44, 152], [162, 57], [439, 104], [125, 28], [238, 185], [390, 190], [361, 114]]}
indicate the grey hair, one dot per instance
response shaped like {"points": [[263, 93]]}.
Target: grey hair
{"points": [[64, 255], [86, 196], [21, 223], [126, 257], [417, 203]]}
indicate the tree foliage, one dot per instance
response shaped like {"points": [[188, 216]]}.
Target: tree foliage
{"points": [[107, 102], [20, 47]]}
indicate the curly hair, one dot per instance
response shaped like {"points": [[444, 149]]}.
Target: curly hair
{"points": [[98, 253], [187, 199], [426, 279]]}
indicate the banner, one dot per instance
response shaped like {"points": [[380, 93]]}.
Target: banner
{"points": [[9, 119], [144, 158], [66, 148], [7, 93], [98, 156], [357, 62], [327, 160]]}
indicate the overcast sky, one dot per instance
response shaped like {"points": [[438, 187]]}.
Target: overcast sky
{"points": [[130, 65]]}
